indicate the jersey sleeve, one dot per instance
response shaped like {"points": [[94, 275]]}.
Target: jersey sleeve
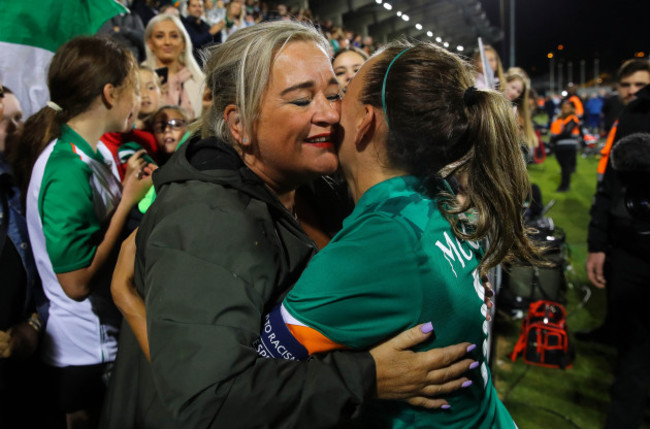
{"points": [[362, 288], [70, 225]]}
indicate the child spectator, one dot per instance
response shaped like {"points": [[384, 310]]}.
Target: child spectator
{"points": [[76, 213]]}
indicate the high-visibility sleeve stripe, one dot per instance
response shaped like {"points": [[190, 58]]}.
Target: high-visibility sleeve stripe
{"points": [[312, 340], [602, 164]]}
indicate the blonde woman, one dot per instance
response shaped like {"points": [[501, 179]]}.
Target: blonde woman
{"points": [[168, 46]]}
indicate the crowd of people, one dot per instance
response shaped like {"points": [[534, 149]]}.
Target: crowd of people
{"points": [[171, 221]]}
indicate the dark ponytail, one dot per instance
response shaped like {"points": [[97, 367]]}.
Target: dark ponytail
{"points": [[497, 181], [437, 119], [77, 75]]}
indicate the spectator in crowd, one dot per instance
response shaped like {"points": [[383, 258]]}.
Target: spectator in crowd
{"points": [[150, 94], [127, 28], [276, 102], [593, 108], [565, 139], [495, 65], [76, 210], [201, 33], [169, 125], [368, 45], [346, 62], [234, 19], [145, 9], [215, 12], [169, 46], [23, 307], [283, 12], [517, 91], [169, 9], [11, 119], [392, 150]]}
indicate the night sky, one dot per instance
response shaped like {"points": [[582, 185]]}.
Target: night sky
{"points": [[609, 30]]}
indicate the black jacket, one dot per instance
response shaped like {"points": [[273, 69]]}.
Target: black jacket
{"points": [[611, 224], [216, 251]]}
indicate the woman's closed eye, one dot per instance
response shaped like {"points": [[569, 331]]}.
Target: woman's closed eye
{"points": [[302, 102]]}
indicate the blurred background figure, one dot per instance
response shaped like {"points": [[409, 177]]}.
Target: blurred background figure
{"points": [[128, 29], [346, 63], [496, 66], [517, 91], [201, 33], [234, 19], [565, 139], [23, 307]]}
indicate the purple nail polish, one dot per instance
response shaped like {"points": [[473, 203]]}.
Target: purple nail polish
{"points": [[426, 328], [466, 384], [474, 365], [471, 347], [446, 407]]}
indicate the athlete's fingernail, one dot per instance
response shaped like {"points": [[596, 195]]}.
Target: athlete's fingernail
{"points": [[446, 407], [466, 384], [426, 328], [474, 365], [471, 347]]}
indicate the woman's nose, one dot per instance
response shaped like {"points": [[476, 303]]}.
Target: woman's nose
{"points": [[329, 111]]}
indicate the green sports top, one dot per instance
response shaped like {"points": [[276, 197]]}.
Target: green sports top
{"points": [[395, 264], [71, 197]]}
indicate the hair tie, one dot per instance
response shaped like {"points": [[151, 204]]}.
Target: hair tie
{"points": [[52, 105], [469, 97], [383, 87]]}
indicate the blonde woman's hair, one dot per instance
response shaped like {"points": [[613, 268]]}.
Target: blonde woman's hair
{"points": [[523, 106], [186, 58], [238, 71]]}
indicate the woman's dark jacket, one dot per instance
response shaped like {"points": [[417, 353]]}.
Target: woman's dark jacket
{"points": [[216, 251]]}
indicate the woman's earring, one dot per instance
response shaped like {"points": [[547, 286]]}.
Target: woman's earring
{"points": [[245, 140]]}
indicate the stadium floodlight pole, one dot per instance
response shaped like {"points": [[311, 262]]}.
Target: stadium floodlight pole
{"points": [[551, 71]]}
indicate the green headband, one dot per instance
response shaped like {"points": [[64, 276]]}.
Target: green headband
{"points": [[383, 87]]}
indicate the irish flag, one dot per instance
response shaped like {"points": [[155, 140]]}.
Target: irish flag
{"points": [[31, 32]]}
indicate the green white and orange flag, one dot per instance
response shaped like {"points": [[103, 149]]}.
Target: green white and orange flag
{"points": [[32, 31]]}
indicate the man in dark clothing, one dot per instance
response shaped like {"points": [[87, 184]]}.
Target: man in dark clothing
{"points": [[619, 259], [201, 34]]}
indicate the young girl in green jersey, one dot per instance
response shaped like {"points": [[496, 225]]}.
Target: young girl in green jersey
{"points": [[76, 211]]}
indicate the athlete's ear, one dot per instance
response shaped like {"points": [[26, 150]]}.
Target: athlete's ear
{"points": [[365, 128]]}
